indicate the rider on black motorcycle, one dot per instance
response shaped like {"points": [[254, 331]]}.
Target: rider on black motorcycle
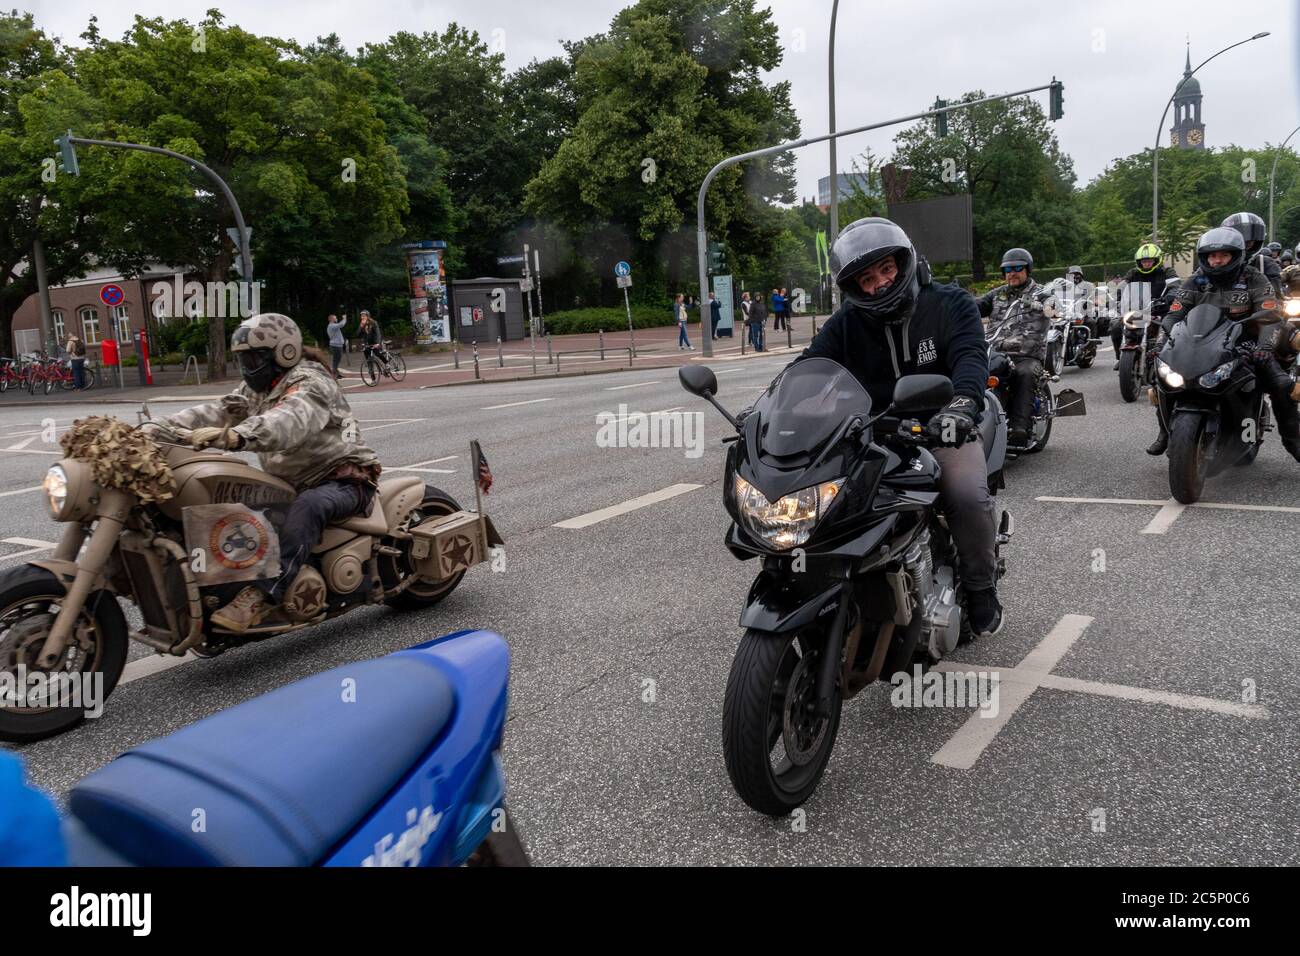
{"points": [[1224, 280], [895, 321], [1019, 316], [291, 412]]}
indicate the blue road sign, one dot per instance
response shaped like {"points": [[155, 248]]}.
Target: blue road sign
{"points": [[622, 269]]}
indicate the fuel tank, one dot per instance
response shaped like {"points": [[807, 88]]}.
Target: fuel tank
{"points": [[213, 478]]}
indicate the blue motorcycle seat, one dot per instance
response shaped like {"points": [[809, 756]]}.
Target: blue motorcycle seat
{"points": [[275, 781]]}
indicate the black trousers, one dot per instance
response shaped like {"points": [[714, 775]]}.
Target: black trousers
{"points": [[311, 511], [1023, 375], [336, 355]]}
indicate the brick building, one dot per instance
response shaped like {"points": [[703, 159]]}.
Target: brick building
{"points": [[75, 307]]}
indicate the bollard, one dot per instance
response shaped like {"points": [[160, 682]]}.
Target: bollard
{"points": [[789, 336], [477, 374], [455, 353], [814, 318], [501, 362], [744, 340], [549, 360], [601, 333], [629, 358]]}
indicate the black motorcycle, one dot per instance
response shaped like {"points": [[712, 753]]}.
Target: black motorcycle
{"points": [[1140, 345], [1209, 400], [859, 577]]}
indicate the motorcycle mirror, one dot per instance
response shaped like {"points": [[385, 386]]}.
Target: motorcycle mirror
{"points": [[698, 379], [916, 393]]}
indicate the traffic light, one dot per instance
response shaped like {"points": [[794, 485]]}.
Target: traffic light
{"points": [[716, 260], [67, 154], [941, 121], [1056, 100]]}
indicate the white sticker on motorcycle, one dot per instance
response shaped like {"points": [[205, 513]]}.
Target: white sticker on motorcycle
{"points": [[238, 543]]}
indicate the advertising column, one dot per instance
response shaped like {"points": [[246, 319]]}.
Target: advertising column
{"points": [[426, 273]]}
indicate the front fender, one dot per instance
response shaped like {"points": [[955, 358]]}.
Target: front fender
{"points": [[776, 604]]}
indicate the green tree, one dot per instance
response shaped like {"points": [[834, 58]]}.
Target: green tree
{"points": [[673, 87], [1007, 157]]}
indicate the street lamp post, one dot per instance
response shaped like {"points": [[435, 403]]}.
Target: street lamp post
{"points": [[702, 235], [835, 175], [1277, 154], [1155, 152]]}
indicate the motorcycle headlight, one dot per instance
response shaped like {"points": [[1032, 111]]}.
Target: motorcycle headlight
{"points": [[789, 521], [56, 489], [1220, 374], [1292, 307], [1168, 375]]}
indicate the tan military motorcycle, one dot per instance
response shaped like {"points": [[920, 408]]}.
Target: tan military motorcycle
{"points": [[172, 530]]}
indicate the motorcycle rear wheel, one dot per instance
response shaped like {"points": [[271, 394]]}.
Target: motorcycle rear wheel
{"points": [[26, 591], [773, 677], [394, 569], [1186, 458], [1129, 381]]}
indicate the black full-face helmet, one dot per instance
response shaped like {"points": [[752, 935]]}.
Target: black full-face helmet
{"points": [[864, 243], [1222, 239], [1251, 227]]}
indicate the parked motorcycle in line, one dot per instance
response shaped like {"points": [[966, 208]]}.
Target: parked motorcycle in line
{"points": [[1209, 400], [418, 743], [858, 576]]}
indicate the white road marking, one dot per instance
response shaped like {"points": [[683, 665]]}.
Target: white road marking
{"points": [[1170, 509], [392, 422], [33, 546], [1165, 517], [531, 401], [20, 491], [617, 388], [613, 511], [603, 416], [148, 666], [30, 451], [1017, 684]]}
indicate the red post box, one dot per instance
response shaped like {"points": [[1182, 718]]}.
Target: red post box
{"points": [[109, 351]]}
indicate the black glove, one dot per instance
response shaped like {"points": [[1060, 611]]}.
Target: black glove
{"points": [[955, 422]]}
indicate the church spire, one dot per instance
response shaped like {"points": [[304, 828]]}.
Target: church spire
{"points": [[1187, 70]]}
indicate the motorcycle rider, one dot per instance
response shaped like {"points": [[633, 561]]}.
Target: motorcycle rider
{"points": [[1147, 269], [1224, 279], [1080, 289], [1019, 315], [291, 412], [895, 321], [1258, 255]]}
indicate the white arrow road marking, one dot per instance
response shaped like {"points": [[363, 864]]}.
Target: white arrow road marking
{"points": [[1017, 684], [613, 511]]}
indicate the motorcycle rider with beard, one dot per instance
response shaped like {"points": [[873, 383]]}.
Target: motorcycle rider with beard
{"points": [[895, 321], [291, 412], [1019, 315], [1224, 279]]}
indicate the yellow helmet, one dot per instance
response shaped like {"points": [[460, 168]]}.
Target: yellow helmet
{"points": [[1148, 250]]}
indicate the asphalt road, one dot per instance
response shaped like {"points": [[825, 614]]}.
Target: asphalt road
{"points": [[1140, 744]]}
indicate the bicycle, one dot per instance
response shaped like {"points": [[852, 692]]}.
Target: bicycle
{"points": [[63, 370], [385, 362]]}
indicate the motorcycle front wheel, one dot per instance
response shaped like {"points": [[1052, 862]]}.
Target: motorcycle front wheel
{"points": [[1130, 383], [1187, 457], [30, 598], [775, 748]]}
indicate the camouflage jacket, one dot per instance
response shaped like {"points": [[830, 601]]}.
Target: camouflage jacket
{"points": [[1018, 321], [302, 429]]}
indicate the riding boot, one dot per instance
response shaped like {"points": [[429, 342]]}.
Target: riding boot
{"points": [[1159, 446]]}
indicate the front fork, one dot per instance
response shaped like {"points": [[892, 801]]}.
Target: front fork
{"points": [[114, 508]]}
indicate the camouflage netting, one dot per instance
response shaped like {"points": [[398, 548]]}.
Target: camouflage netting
{"points": [[120, 457]]}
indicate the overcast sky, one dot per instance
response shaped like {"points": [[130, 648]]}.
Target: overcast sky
{"points": [[1119, 59]]}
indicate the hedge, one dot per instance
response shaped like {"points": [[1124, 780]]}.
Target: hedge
{"points": [[611, 320]]}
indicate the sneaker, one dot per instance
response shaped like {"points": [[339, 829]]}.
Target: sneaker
{"points": [[250, 607], [985, 612], [1115, 367]]}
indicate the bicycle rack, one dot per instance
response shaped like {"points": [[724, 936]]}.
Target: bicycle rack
{"points": [[198, 375]]}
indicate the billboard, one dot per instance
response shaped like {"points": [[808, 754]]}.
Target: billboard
{"points": [[940, 228]]}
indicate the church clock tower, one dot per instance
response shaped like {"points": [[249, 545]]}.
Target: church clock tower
{"points": [[1188, 132]]}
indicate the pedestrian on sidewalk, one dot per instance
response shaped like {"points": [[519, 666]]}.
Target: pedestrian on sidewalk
{"points": [[778, 309], [715, 313], [745, 306], [334, 326], [76, 350], [679, 309], [758, 318]]}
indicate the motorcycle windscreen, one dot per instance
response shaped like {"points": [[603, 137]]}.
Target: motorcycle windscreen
{"points": [[806, 405], [1201, 341]]}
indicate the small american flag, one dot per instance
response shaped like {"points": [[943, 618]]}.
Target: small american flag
{"points": [[482, 472]]}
